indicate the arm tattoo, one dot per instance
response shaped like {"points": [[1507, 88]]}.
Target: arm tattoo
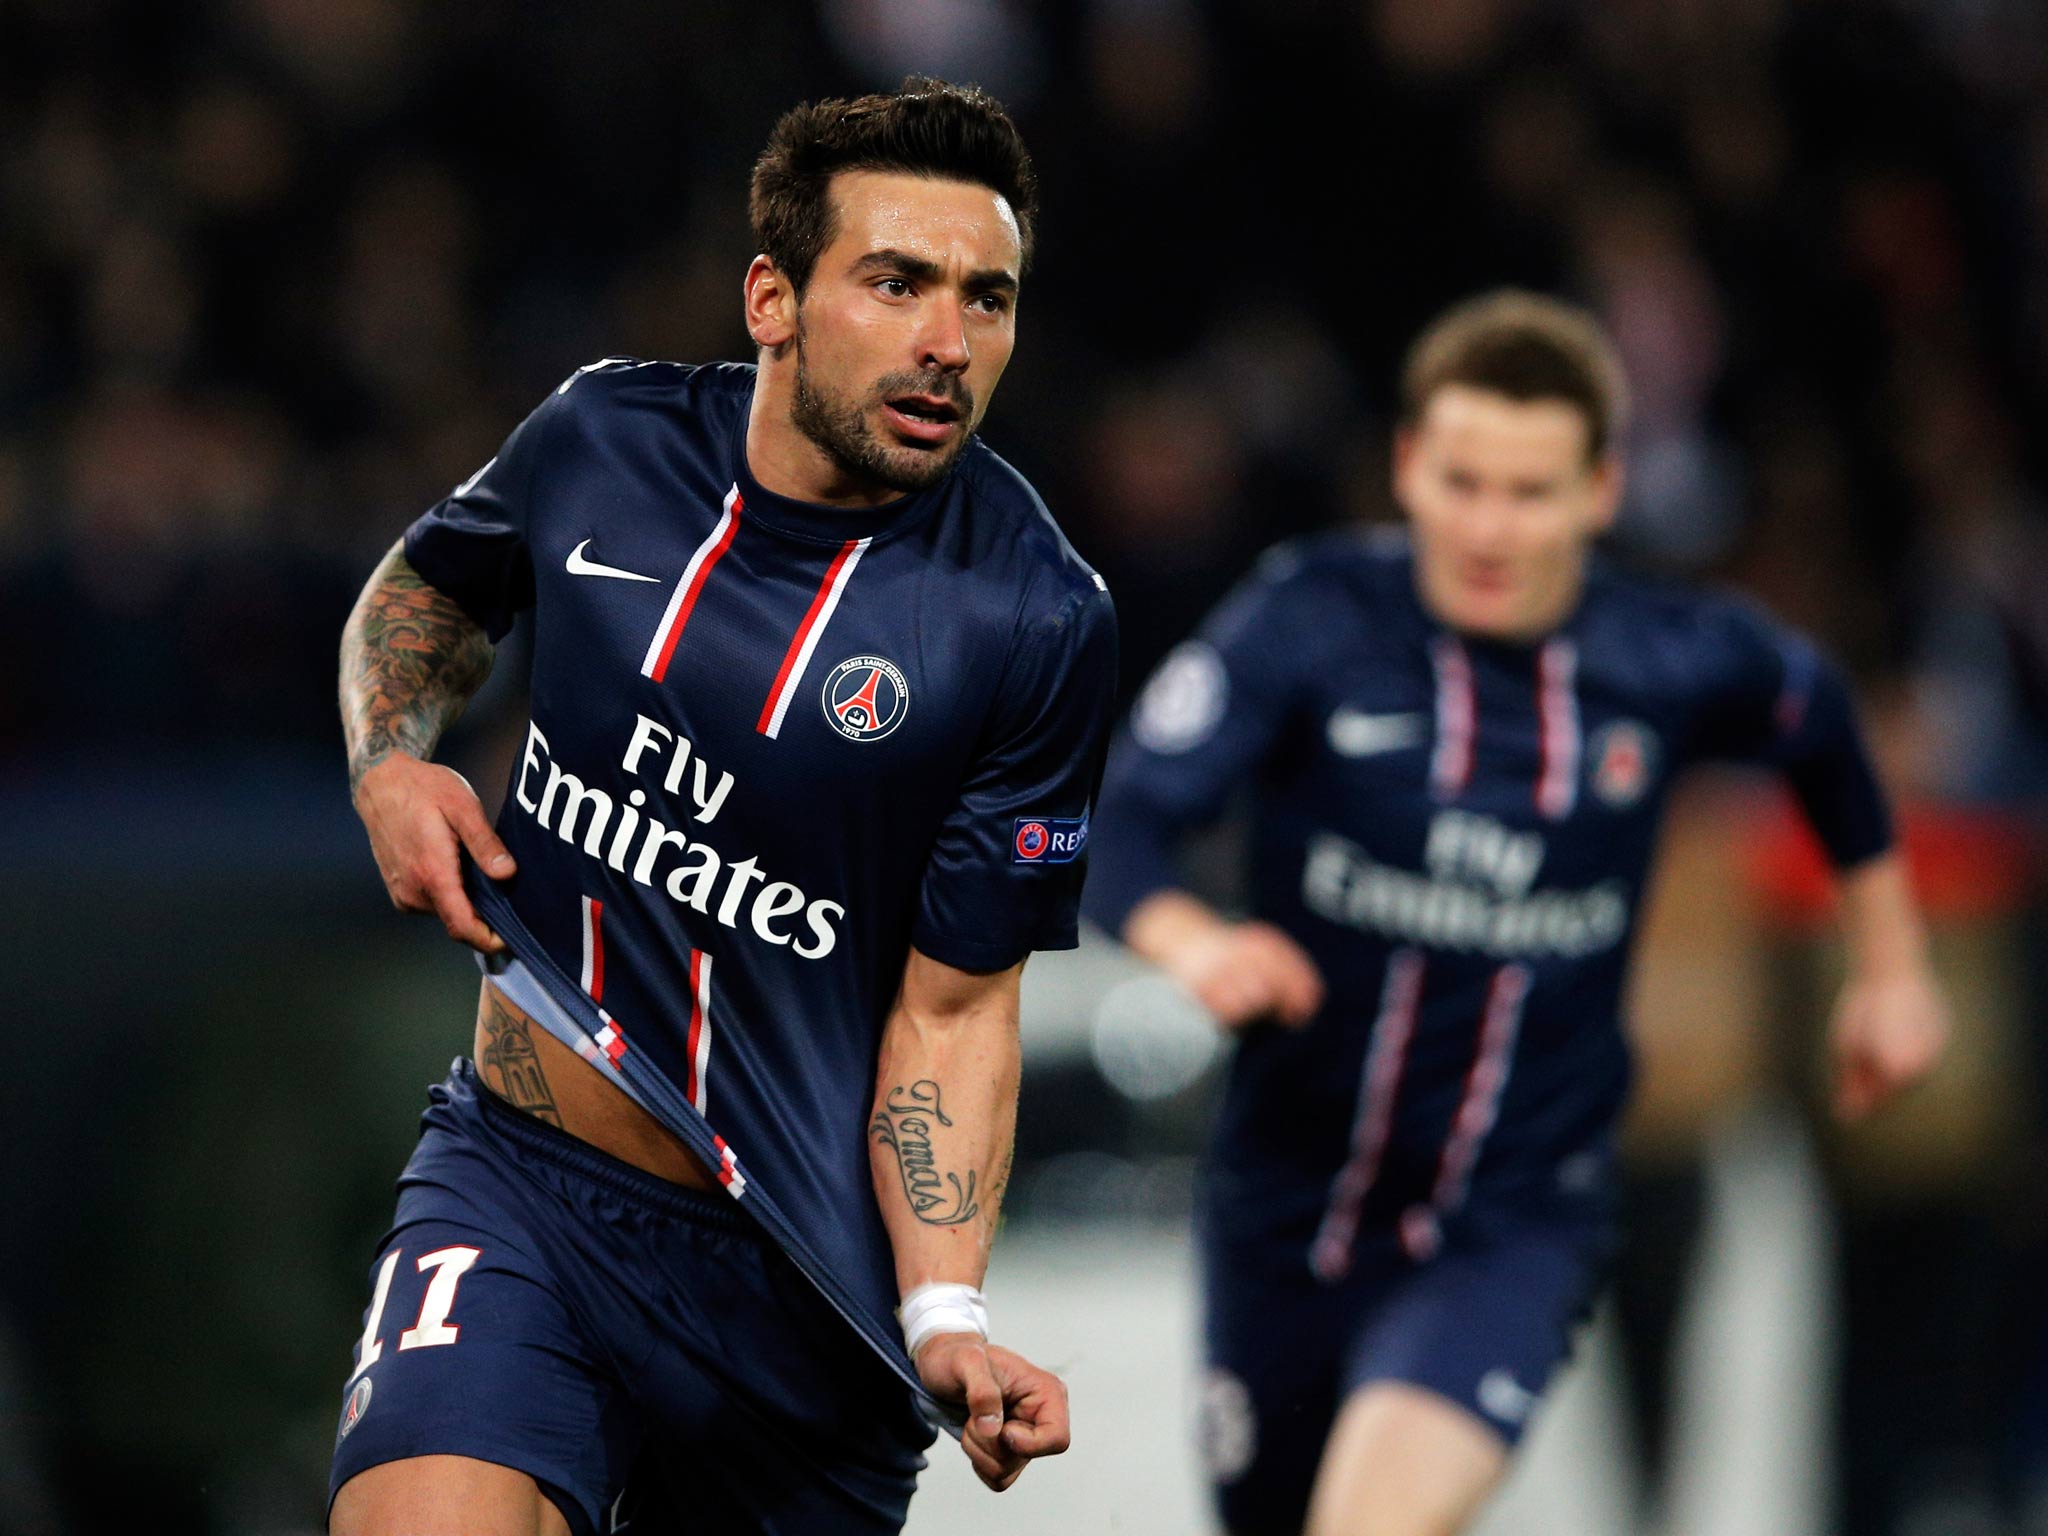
{"points": [[903, 1123], [410, 659], [510, 1063]]}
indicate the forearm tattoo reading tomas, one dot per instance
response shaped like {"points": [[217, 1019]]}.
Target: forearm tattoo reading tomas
{"points": [[904, 1125], [410, 659], [512, 1066]]}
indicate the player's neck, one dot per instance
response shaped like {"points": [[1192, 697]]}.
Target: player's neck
{"points": [[783, 460], [1550, 616]]}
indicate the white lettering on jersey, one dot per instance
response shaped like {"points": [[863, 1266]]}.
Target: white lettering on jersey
{"points": [[738, 892], [708, 799], [777, 900], [1464, 846], [1479, 894]]}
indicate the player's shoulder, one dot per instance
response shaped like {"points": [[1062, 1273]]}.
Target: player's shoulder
{"points": [[1364, 558], [1314, 598], [1323, 589], [714, 391], [1670, 606], [1011, 520], [1679, 629]]}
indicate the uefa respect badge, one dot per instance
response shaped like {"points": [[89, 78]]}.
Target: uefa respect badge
{"points": [[1048, 839]]}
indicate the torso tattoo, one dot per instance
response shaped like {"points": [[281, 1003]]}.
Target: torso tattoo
{"points": [[511, 1065]]}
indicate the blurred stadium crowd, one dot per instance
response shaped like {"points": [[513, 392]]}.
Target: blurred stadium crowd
{"points": [[274, 274]]}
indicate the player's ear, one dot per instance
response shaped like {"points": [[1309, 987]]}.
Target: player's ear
{"points": [[1402, 461], [771, 301], [1607, 489]]}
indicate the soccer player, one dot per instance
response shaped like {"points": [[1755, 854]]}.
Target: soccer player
{"points": [[1456, 746], [820, 695]]}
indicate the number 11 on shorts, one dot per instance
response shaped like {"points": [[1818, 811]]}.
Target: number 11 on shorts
{"points": [[449, 1266]]}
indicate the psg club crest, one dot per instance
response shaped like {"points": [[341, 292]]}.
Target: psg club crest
{"points": [[352, 1411], [1624, 758], [865, 698]]}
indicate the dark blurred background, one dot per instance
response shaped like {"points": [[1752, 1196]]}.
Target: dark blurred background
{"points": [[274, 274]]}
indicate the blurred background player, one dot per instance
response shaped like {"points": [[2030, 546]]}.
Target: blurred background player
{"points": [[1457, 746], [819, 701], [274, 276]]}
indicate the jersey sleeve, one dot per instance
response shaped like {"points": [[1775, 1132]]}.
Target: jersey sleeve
{"points": [[1208, 716], [473, 545], [1777, 701], [1004, 875]]}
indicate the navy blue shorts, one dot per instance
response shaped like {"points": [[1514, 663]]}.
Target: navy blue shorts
{"points": [[1485, 1324], [641, 1350]]}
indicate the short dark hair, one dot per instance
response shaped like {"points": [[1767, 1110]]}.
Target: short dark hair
{"points": [[1526, 346], [926, 127]]}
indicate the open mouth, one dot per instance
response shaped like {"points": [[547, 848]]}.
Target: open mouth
{"points": [[927, 407], [922, 418]]}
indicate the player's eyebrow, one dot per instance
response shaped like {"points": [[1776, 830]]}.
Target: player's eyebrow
{"points": [[921, 270], [991, 280]]}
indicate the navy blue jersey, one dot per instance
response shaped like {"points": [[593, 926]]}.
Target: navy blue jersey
{"points": [[772, 746], [1457, 831]]}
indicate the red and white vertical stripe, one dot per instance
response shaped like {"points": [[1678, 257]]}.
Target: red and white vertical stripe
{"points": [[1400, 1002], [1457, 718], [609, 1043], [698, 1046], [805, 640], [592, 978], [1557, 718], [1478, 1109], [729, 1169], [684, 598]]}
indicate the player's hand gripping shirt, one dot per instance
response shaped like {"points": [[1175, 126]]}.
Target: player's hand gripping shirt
{"points": [[772, 746], [1457, 831]]}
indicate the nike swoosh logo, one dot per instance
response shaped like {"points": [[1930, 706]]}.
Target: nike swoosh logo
{"points": [[578, 566], [1353, 733]]}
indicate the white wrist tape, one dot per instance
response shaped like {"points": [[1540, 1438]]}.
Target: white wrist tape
{"points": [[940, 1306]]}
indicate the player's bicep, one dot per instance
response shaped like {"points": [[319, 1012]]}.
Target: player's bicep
{"points": [[1211, 712], [1770, 694], [1198, 727], [1783, 704], [1214, 708], [1004, 874], [932, 988]]}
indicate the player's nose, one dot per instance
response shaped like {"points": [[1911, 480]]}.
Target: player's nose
{"points": [[942, 340], [1490, 522]]}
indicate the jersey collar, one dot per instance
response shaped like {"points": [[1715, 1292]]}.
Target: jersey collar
{"points": [[820, 524]]}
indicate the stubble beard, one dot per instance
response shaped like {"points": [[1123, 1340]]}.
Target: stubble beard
{"points": [[839, 427]]}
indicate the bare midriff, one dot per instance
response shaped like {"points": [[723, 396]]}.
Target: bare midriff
{"points": [[533, 1071]]}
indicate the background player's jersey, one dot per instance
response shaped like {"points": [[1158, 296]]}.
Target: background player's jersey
{"points": [[772, 746], [1457, 831]]}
